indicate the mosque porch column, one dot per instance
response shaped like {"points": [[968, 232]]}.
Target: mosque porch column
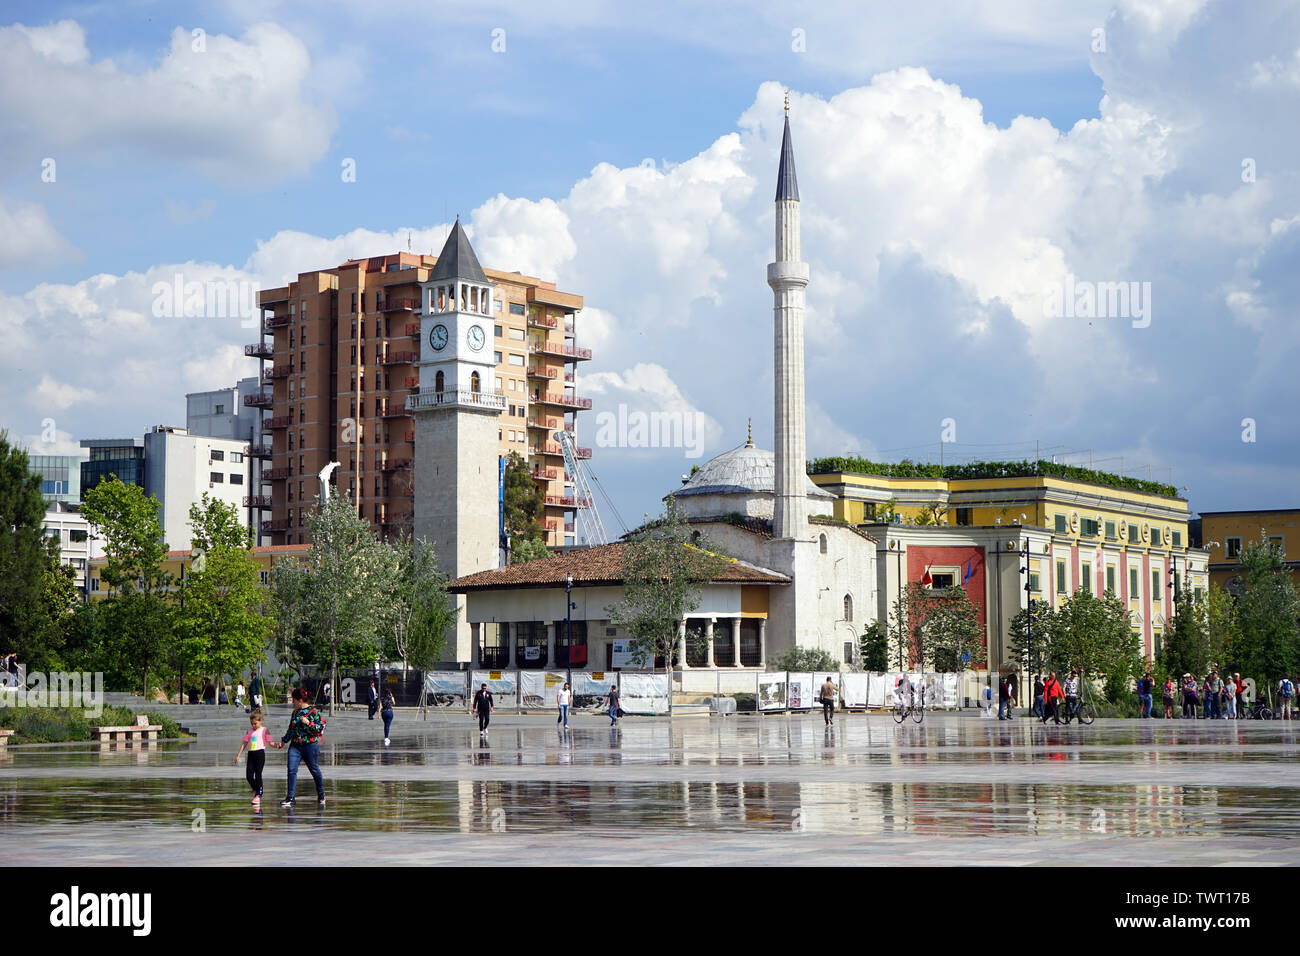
{"points": [[762, 643], [735, 642], [708, 641], [681, 644]]}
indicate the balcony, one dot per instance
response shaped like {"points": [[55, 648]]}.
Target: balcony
{"points": [[275, 474], [557, 398], [404, 357], [546, 474], [543, 322], [280, 371], [449, 398], [413, 328], [410, 435], [546, 448], [581, 452], [402, 304], [257, 501], [279, 421], [393, 410], [259, 350], [258, 451], [395, 464], [278, 321], [278, 524], [541, 371], [540, 421], [564, 349], [259, 400], [568, 501], [412, 381]]}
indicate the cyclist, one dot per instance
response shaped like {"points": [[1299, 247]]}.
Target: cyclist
{"points": [[903, 692]]}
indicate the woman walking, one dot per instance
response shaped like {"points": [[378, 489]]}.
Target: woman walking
{"points": [[306, 728], [386, 711], [1189, 697], [562, 701]]}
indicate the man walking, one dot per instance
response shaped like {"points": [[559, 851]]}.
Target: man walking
{"points": [[1051, 694], [372, 700], [1285, 691], [613, 704], [828, 701], [1004, 699], [1038, 695], [483, 706]]}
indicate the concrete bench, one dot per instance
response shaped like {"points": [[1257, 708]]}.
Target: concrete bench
{"points": [[141, 730], [4, 737]]}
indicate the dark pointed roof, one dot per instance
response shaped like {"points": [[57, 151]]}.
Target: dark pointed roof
{"points": [[457, 259], [787, 184]]}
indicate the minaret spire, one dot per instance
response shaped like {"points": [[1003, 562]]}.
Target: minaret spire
{"points": [[788, 276]]}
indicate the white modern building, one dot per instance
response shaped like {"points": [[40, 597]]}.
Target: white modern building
{"points": [[77, 543], [224, 413], [180, 468]]}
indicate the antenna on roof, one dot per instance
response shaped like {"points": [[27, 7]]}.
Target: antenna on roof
{"points": [[408, 240]]}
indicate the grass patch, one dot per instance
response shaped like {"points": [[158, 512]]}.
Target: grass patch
{"points": [[48, 725]]}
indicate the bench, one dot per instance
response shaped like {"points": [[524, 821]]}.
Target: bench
{"points": [[141, 730], [4, 737]]}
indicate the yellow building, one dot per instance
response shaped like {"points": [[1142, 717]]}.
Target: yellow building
{"points": [[1225, 533], [178, 565]]}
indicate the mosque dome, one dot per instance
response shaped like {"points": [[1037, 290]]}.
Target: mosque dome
{"points": [[740, 481]]}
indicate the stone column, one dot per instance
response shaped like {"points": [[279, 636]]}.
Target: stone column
{"points": [[550, 643], [762, 643], [735, 641], [708, 641], [681, 644], [476, 635]]}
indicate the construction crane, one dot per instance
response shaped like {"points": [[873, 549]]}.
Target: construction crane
{"points": [[593, 529]]}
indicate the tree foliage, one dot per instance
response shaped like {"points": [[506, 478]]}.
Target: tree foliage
{"points": [[1186, 644], [944, 626], [804, 659], [664, 571], [24, 556], [421, 612], [523, 504], [1268, 639], [873, 647], [528, 550]]}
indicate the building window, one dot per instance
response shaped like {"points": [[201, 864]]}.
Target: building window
{"points": [[264, 577], [530, 644], [236, 479], [94, 584], [1110, 579], [1155, 584], [516, 308], [1061, 526], [848, 607], [964, 516], [571, 652], [1155, 537], [1196, 595], [1231, 547], [1134, 536], [354, 303], [496, 330], [821, 543], [76, 537], [1133, 584], [1110, 531], [216, 477], [1276, 541], [1178, 539], [1085, 576], [1034, 582], [217, 455], [941, 580], [221, 410], [1060, 577]]}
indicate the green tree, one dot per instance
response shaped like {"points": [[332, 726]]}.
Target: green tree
{"points": [[23, 551], [1094, 636], [803, 659], [1223, 631], [664, 570], [47, 632], [421, 612], [523, 503], [137, 627], [1019, 635], [1267, 611], [1186, 643], [215, 524], [528, 550], [873, 647], [945, 627]]}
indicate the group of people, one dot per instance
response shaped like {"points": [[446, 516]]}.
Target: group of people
{"points": [[9, 669], [1210, 698], [1052, 698], [484, 704]]}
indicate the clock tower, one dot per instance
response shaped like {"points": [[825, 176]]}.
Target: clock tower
{"points": [[456, 421]]}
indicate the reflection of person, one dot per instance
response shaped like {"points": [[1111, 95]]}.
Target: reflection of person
{"points": [[483, 706]]}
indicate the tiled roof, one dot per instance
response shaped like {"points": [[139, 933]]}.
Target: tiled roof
{"points": [[590, 567]]}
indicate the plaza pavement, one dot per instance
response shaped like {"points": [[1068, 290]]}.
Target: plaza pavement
{"points": [[743, 790]]}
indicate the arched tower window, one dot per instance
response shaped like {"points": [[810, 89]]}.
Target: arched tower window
{"points": [[821, 541], [474, 383], [848, 607], [438, 382]]}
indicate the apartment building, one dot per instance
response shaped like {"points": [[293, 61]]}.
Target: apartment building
{"points": [[340, 349], [221, 413], [1224, 533]]}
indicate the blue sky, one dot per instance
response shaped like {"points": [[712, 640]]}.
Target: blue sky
{"points": [[955, 158]]}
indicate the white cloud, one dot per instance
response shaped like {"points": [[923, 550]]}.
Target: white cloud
{"points": [[234, 109], [59, 396], [27, 236]]}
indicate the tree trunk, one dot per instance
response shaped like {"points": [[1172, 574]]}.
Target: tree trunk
{"points": [[334, 677]]}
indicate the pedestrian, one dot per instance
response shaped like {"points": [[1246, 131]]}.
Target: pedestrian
{"points": [[372, 701], [1013, 687], [1285, 691], [827, 699], [256, 689], [11, 669], [562, 701], [1004, 697], [239, 695], [257, 740], [1230, 698], [1240, 694], [1038, 695], [386, 711], [325, 691], [483, 706], [614, 711], [1167, 697], [1072, 695], [1051, 694], [1216, 695], [1145, 687], [306, 728], [1189, 696]]}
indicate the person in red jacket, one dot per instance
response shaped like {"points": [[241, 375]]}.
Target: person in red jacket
{"points": [[1051, 694]]}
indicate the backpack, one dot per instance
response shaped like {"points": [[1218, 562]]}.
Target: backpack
{"points": [[1288, 689]]}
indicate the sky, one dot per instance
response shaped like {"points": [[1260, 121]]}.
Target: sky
{"points": [[965, 168]]}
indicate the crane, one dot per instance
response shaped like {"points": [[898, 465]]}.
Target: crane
{"points": [[593, 529]]}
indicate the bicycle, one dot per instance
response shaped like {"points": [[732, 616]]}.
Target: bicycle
{"points": [[916, 712], [1081, 709], [1259, 710]]}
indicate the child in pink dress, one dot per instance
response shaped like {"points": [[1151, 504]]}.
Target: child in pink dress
{"points": [[257, 740]]}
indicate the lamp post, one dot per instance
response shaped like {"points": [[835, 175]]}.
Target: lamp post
{"points": [[568, 628], [1029, 621]]}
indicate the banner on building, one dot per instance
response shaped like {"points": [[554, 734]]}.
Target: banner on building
{"points": [[645, 693], [540, 689], [623, 655], [503, 684], [799, 691], [771, 691]]}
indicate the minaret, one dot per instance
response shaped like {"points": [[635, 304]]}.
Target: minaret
{"points": [[788, 276]]}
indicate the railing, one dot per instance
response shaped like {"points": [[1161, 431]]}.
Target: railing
{"points": [[280, 371], [546, 474], [261, 350], [278, 321], [275, 474], [541, 371], [412, 381], [494, 658], [543, 321], [546, 448], [410, 435], [258, 451], [413, 328], [260, 399], [568, 501], [394, 410], [433, 399], [279, 421], [405, 357], [581, 452], [395, 465], [277, 524], [395, 305], [568, 401], [257, 501], [568, 351], [538, 421]]}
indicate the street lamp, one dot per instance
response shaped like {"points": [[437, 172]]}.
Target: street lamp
{"points": [[1029, 620], [568, 628]]}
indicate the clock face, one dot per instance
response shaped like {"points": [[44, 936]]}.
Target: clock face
{"points": [[438, 337], [475, 337]]}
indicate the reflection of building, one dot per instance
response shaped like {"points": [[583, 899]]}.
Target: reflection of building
{"points": [[343, 351], [1224, 533]]}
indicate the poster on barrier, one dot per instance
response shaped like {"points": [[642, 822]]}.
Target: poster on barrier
{"points": [[445, 684], [799, 691], [503, 684], [819, 679], [876, 690], [540, 689], [647, 693], [950, 691], [592, 684], [855, 689], [771, 691]]}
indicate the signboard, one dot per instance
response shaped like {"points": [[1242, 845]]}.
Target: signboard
{"points": [[622, 655], [503, 684], [799, 691], [592, 685], [540, 688], [532, 653], [645, 693], [771, 691]]}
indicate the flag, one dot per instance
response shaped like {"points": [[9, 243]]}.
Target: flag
{"points": [[970, 571], [926, 580]]}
